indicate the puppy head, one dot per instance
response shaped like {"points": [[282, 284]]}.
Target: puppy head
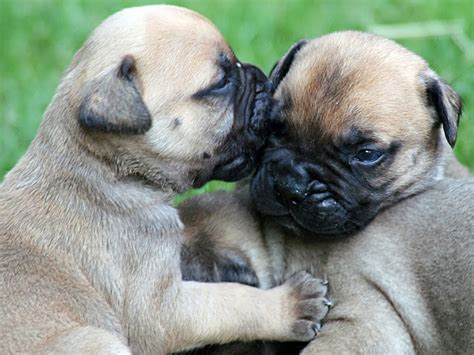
{"points": [[163, 98], [365, 120]]}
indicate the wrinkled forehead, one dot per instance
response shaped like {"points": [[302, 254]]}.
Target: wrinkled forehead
{"points": [[334, 88]]}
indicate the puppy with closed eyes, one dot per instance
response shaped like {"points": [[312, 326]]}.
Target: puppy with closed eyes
{"points": [[155, 102], [358, 184]]}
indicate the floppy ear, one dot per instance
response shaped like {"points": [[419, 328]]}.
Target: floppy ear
{"points": [[281, 67], [113, 104], [447, 104]]}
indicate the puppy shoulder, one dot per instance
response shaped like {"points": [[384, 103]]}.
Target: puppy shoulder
{"points": [[441, 216], [455, 193], [452, 166]]}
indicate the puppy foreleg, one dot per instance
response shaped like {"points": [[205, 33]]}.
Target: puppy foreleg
{"points": [[221, 313]]}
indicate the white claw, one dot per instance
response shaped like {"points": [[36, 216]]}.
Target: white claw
{"points": [[327, 303]]}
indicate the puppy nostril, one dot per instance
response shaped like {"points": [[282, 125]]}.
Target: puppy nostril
{"points": [[288, 192], [290, 182]]}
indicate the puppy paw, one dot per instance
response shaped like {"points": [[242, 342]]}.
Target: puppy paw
{"points": [[307, 304]]}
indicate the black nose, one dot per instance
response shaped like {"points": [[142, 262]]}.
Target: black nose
{"points": [[291, 182]]}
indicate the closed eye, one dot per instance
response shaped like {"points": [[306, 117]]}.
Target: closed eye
{"points": [[220, 85], [226, 83], [223, 87]]}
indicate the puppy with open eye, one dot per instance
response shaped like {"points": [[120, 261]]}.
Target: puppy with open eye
{"points": [[155, 102], [357, 184]]}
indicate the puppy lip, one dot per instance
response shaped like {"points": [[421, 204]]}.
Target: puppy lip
{"points": [[316, 233], [275, 214], [286, 215], [332, 231], [233, 169], [292, 221], [199, 181]]}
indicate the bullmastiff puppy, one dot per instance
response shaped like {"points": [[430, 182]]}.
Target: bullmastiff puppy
{"points": [[355, 186], [155, 102]]}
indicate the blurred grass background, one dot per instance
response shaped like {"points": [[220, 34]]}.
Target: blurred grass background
{"points": [[39, 38]]}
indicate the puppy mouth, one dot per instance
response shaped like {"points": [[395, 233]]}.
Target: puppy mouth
{"points": [[304, 231], [238, 155], [234, 169], [314, 213], [291, 218], [327, 227]]}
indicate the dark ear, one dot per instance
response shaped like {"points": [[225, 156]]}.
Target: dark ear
{"points": [[280, 69], [447, 104], [113, 104]]}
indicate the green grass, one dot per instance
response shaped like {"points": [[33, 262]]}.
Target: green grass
{"points": [[39, 37]]}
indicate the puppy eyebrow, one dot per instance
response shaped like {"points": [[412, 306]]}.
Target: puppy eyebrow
{"points": [[357, 136]]}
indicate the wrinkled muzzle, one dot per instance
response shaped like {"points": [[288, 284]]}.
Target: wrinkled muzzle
{"points": [[253, 103]]}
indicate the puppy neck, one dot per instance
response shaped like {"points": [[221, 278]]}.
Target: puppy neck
{"points": [[58, 183], [62, 158]]}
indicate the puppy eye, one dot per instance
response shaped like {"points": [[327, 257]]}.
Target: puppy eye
{"points": [[368, 156], [223, 87]]}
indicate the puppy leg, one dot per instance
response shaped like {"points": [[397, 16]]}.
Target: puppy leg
{"points": [[221, 313], [84, 340], [205, 261], [218, 249]]}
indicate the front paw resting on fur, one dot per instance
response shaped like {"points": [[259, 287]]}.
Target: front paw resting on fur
{"points": [[306, 303]]}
